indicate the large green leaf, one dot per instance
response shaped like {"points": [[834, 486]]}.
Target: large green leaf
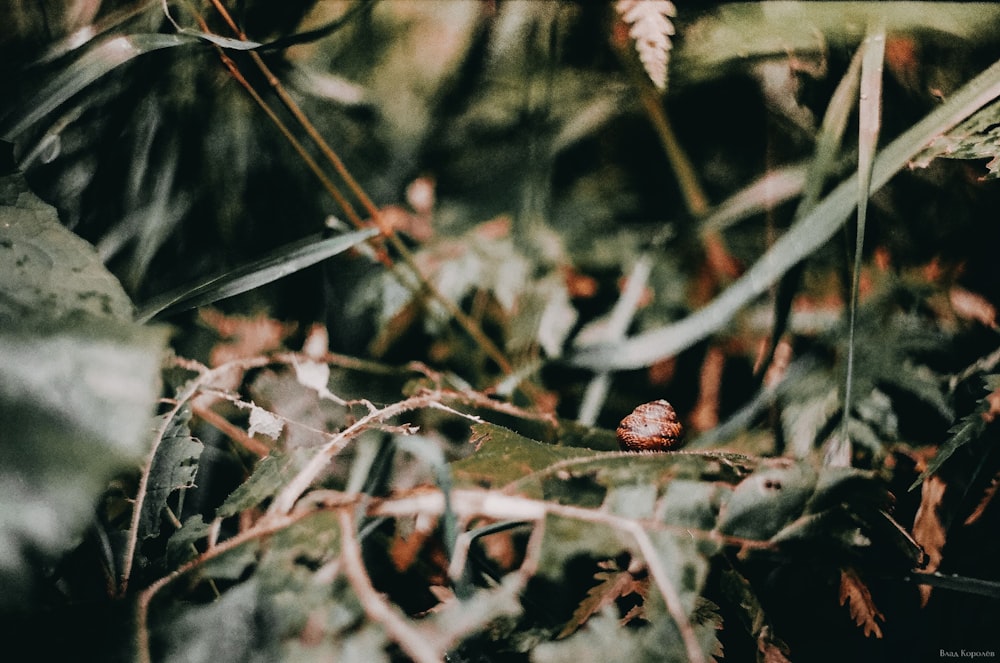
{"points": [[78, 383], [46, 271]]}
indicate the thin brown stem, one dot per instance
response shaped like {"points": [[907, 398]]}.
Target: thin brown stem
{"points": [[232, 431], [464, 320], [411, 639]]}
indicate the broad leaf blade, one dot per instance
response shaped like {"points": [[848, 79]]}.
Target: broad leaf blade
{"points": [[45, 269], [78, 382]]}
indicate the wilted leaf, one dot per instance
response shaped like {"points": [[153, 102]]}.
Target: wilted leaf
{"points": [[265, 423], [862, 607], [771, 650], [611, 585], [987, 498], [316, 376]]}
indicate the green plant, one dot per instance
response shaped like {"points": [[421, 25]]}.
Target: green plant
{"points": [[438, 251]]}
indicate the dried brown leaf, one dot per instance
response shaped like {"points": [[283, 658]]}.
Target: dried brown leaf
{"points": [[993, 401], [972, 306], [862, 607], [244, 336], [988, 494], [770, 648], [612, 584], [410, 540], [928, 530]]}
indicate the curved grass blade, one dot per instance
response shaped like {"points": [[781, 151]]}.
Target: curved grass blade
{"points": [[767, 192], [869, 120], [821, 169], [804, 237], [284, 261], [92, 65]]}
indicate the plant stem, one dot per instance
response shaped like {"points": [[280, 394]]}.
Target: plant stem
{"points": [[464, 320]]}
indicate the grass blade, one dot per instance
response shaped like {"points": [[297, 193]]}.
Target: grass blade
{"points": [[804, 237], [92, 65], [282, 262], [869, 120]]}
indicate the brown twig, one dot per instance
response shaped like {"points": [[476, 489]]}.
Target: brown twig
{"points": [[145, 597], [232, 431], [412, 640]]}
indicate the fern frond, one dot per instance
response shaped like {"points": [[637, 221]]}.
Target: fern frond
{"points": [[965, 431], [651, 30]]}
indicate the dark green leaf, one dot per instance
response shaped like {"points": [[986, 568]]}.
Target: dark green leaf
{"points": [[46, 271], [95, 63], [78, 382], [504, 457], [976, 138], [768, 500], [174, 467], [233, 628], [271, 473], [566, 538], [181, 545], [804, 237], [965, 431]]}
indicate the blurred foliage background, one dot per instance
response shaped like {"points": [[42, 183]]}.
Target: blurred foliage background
{"points": [[516, 154]]}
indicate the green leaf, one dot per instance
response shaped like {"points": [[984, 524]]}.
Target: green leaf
{"points": [[268, 477], [78, 383], [976, 138], [768, 499], [567, 538], [46, 271], [504, 457], [734, 33], [95, 63], [965, 431], [684, 560], [232, 628], [174, 467], [693, 504], [180, 545]]}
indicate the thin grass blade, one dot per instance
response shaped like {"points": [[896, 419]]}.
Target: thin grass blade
{"points": [[869, 120], [104, 57], [284, 261]]}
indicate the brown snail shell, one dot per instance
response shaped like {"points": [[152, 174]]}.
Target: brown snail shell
{"points": [[651, 427]]}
